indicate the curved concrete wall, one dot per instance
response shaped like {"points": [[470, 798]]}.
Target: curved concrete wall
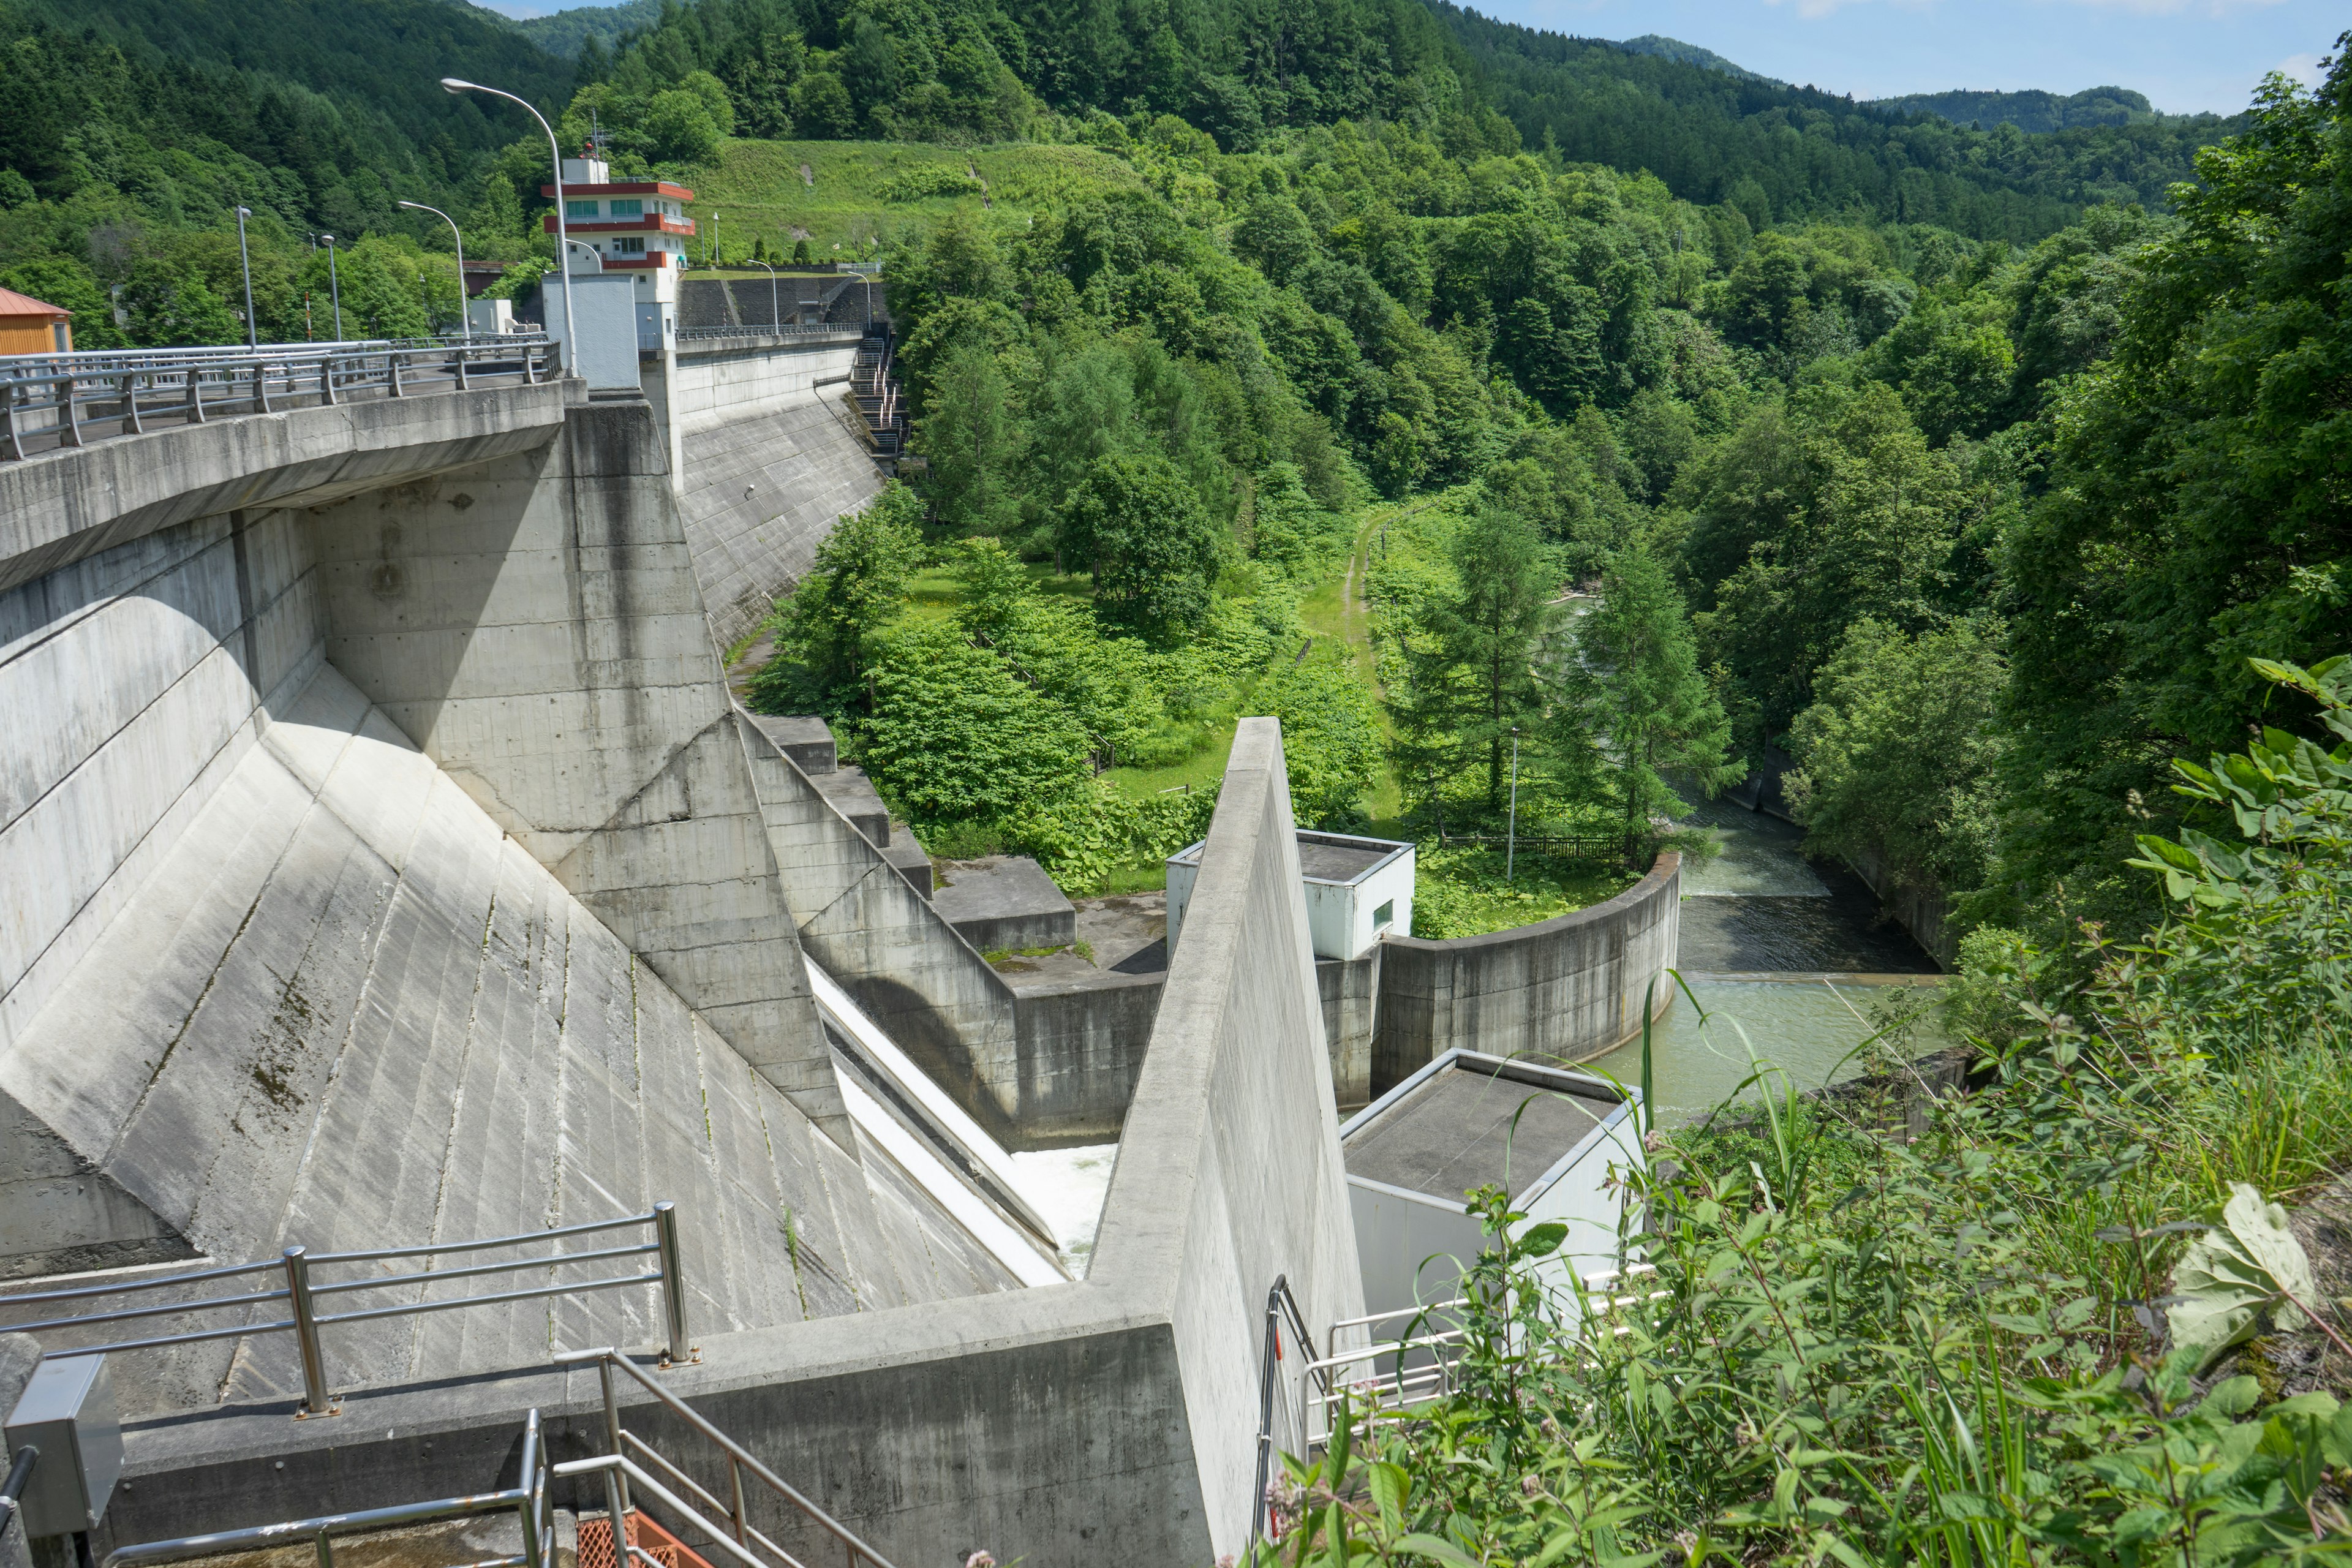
{"points": [[1566, 988]]}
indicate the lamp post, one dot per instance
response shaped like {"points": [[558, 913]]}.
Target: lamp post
{"points": [[583, 245], [1511, 849], [563, 237], [465, 322], [335, 284], [775, 299], [244, 257]]}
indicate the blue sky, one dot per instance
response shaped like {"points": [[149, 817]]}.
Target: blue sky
{"points": [[2186, 55]]}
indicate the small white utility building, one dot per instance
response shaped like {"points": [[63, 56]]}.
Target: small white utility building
{"points": [[1548, 1137], [1357, 889]]}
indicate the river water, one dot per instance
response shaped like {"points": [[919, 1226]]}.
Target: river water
{"points": [[1788, 969]]}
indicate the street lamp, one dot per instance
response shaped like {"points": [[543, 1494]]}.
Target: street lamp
{"points": [[775, 307], [335, 284], [1511, 852], [563, 234], [251, 340], [464, 321], [591, 250]]}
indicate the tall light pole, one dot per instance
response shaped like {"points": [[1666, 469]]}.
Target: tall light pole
{"points": [[334, 284], [1511, 850], [775, 306], [563, 234], [465, 322], [581, 245], [252, 340]]}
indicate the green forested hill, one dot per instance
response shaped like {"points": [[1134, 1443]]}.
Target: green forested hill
{"points": [[2033, 112]]}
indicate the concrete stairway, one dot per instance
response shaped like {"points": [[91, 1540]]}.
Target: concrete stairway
{"points": [[345, 1010]]}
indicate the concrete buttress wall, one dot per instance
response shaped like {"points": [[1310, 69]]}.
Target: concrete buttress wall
{"points": [[534, 623], [1109, 1420]]}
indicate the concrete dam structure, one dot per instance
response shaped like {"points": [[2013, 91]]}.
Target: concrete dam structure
{"points": [[388, 867]]}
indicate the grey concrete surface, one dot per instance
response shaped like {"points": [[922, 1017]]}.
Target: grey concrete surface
{"points": [[1350, 991], [761, 484], [1110, 1420], [536, 626], [805, 738], [849, 791], [1004, 903], [1566, 988], [66, 505], [348, 1011], [908, 854]]}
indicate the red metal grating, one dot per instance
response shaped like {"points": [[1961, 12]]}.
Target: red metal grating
{"points": [[596, 1544]]}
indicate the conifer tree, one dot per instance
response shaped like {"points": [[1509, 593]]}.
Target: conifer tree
{"points": [[1476, 681], [1632, 705]]}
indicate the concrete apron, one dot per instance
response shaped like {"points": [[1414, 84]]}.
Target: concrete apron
{"points": [[1110, 1419]]}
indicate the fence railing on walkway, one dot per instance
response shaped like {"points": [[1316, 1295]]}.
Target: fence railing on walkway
{"points": [[528, 1498], [303, 1294], [629, 1460], [51, 401]]}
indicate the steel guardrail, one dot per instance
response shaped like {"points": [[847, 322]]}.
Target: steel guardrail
{"points": [[528, 1498], [56, 396], [301, 1293], [736, 1535]]}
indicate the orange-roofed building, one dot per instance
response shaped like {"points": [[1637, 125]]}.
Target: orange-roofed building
{"points": [[30, 326], [636, 227]]}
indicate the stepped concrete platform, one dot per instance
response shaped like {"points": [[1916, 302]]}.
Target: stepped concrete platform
{"points": [[805, 738], [852, 793], [1006, 902]]}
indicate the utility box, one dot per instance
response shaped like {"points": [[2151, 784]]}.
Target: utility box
{"points": [[67, 1412], [490, 318], [1358, 889], [604, 307]]}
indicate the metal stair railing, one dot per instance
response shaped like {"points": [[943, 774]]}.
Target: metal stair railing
{"points": [[58, 394], [12, 1491], [301, 1293], [1280, 1304], [729, 1526], [528, 1498]]}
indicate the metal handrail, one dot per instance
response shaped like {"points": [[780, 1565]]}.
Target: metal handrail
{"points": [[778, 330], [20, 1476], [528, 1498], [1279, 1303], [617, 1466], [303, 1293], [127, 389]]}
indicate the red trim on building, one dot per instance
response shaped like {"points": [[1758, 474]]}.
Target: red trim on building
{"points": [[650, 224], [623, 188]]}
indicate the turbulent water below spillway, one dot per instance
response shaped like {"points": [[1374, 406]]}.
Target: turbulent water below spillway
{"points": [[1789, 969]]}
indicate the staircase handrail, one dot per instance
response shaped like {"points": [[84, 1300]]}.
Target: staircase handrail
{"points": [[1280, 1303], [528, 1498], [302, 1294], [616, 1464]]}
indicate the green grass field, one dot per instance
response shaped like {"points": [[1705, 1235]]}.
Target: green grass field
{"points": [[855, 192]]}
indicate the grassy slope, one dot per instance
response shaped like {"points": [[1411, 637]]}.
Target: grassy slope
{"points": [[757, 190]]}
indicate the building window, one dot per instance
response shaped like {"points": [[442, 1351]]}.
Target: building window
{"points": [[64, 341], [1384, 915], [629, 246], [573, 209], [630, 208]]}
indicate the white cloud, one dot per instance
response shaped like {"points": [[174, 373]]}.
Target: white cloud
{"points": [[2304, 68]]}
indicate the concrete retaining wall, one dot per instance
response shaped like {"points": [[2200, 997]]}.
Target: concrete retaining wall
{"points": [[1111, 1420], [725, 382], [1925, 912], [1566, 988], [535, 625], [760, 493]]}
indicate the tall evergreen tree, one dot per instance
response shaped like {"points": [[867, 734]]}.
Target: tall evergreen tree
{"points": [[1475, 681], [1633, 707]]}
